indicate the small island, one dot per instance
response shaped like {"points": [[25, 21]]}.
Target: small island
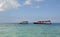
{"points": [[24, 22]]}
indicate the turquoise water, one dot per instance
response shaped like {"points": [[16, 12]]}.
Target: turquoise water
{"points": [[29, 30]]}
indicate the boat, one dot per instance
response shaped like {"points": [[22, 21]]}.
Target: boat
{"points": [[42, 22]]}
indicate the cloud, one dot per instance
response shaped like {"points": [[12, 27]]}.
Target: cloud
{"points": [[35, 6], [38, 0], [9, 4], [29, 2], [6, 4]]}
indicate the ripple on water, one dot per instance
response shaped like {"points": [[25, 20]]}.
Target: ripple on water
{"points": [[16, 30]]}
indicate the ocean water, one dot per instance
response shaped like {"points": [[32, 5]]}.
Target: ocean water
{"points": [[30, 30]]}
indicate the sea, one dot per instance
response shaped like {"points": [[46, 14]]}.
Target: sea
{"points": [[30, 30]]}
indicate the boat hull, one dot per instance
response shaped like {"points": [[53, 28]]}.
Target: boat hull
{"points": [[41, 23]]}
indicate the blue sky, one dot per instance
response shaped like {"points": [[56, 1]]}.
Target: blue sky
{"points": [[15, 11]]}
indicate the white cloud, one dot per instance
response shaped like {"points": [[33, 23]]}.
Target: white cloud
{"points": [[38, 0], [6, 4], [29, 2], [35, 6]]}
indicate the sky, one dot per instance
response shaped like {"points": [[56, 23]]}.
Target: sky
{"points": [[15, 11]]}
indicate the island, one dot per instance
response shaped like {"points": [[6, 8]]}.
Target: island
{"points": [[24, 22]]}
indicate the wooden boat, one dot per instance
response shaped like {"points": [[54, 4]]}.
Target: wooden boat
{"points": [[42, 22]]}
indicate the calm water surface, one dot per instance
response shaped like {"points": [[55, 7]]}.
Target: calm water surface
{"points": [[29, 30]]}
